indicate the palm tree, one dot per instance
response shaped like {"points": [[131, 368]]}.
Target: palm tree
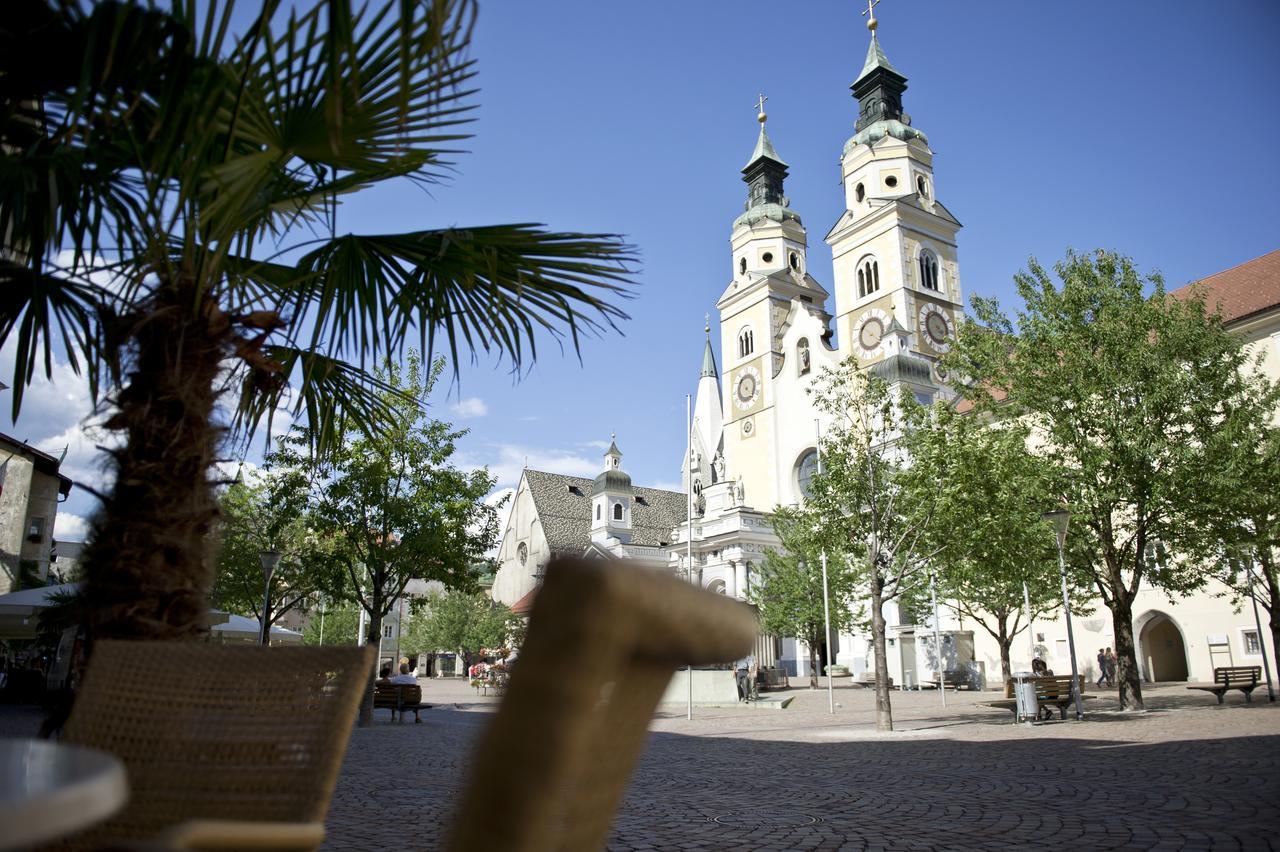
{"points": [[167, 205]]}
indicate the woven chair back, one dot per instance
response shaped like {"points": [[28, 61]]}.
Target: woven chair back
{"points": [[604, 640], [218, 732]]}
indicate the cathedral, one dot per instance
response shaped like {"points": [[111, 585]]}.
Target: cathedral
{"points": [[754, 434], [753, 443]]}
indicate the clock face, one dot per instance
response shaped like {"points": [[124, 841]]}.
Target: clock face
{"points": [[871, 334], [936, 325], [937, 328], [747, 390]]}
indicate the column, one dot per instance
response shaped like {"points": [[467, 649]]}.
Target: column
{"points": [[730, 581], [742, 573]]}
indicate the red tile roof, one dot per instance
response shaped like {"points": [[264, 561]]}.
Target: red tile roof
{"points": [[525, 604], [1241, 291]]}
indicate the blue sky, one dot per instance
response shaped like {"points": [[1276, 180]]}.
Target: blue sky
{"points": [[1146, 127]]}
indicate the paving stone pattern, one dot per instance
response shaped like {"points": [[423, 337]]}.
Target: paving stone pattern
{"points": [[1187, 775]]}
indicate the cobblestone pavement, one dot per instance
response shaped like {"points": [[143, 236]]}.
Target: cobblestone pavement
{"points": [[1185, 775]]}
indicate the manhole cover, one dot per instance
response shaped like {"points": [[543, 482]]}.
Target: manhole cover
{"points": [[766, 819]]}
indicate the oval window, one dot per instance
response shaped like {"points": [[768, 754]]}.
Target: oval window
{"points": [[742, 266], [795, 261], [767, 257], [891, 181], [806, 467], [860, 193]]}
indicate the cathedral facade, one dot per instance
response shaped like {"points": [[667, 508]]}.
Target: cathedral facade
{"points": [[893, 305], [894, 302]]}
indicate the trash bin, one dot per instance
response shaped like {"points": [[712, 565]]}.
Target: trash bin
{"points": [[1024, 691]]}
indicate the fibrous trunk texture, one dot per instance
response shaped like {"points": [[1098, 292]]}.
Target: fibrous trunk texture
{"points": [[148, 568]]}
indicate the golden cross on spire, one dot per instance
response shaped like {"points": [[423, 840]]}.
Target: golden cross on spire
{"points": [[760, 114], [871, 15]]}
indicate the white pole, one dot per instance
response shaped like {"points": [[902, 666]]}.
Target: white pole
{"points": [[688, 415], [1031, 637], [937, 641], [321, 622], [826, 595]]}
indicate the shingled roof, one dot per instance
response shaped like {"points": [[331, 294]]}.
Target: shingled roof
{"points": [[1242, 291], [564, 508]]}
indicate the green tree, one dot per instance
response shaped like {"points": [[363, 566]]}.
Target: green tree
{"points": [[1247, 523], [789, 594], [991, 541], [339, 623], [168, 205], [393, 507], [869, 510], [460, 621], [1127, 389], [265, 511]]}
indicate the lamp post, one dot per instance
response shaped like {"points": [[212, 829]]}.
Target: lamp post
{"points": [[688, 544], [270, 559], [1060, 518]]}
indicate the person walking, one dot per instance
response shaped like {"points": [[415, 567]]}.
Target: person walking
{"points": [[1102, 668], [1111, 667]]}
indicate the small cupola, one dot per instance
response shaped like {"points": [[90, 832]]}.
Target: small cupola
{"points": [[612, 498]]}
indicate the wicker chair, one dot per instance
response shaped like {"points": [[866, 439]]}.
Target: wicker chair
{"points": [[226, 747], [604, 641]]}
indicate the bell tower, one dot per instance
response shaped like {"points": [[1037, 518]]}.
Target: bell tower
{"points": [[768, 247], [894, 247]]}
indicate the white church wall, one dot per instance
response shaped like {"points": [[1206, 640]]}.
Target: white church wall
{"points": [[1211, 630], [514, 578]]}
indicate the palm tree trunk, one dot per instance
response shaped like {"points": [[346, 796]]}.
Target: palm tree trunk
{"points": [[148, 568]]}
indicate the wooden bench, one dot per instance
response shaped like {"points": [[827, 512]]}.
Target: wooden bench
{"points": [[399, 697], [1226, 678], [772, 678], [1050, 691], [955, 679]]}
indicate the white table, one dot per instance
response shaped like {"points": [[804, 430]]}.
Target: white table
{"points": [[51, 790]]}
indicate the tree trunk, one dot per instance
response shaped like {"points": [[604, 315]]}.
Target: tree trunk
{"points": [[372, 636], [813, 663], [1128, 676], [1006, 645], [1271, 601], [148, 572], [884, 711]]}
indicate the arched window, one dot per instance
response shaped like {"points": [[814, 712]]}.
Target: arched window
{"points": [[794, 260], [923, 186], [617, 511], [806, 467], [746, 343], [928, 270], [868, 276], [802, 356], [742, 266], [597, 511], [860, 193]]}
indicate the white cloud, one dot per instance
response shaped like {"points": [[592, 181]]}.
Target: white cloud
{"points": [[68, 526], [507, 461], [597, 445], [668, 486], [469, 407]]}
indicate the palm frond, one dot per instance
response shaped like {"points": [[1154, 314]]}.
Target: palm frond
{"points": [[334, 396], [490, 289], [39, 308]]}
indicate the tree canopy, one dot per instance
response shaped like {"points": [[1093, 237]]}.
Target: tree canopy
{"points": [[1127, 392]]}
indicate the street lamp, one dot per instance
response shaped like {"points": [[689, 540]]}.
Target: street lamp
{"points": [[1060, 518], [270, 559]]}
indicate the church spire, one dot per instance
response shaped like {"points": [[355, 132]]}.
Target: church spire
{"points": [[879, 90], [708, 355], [765, 171]]}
